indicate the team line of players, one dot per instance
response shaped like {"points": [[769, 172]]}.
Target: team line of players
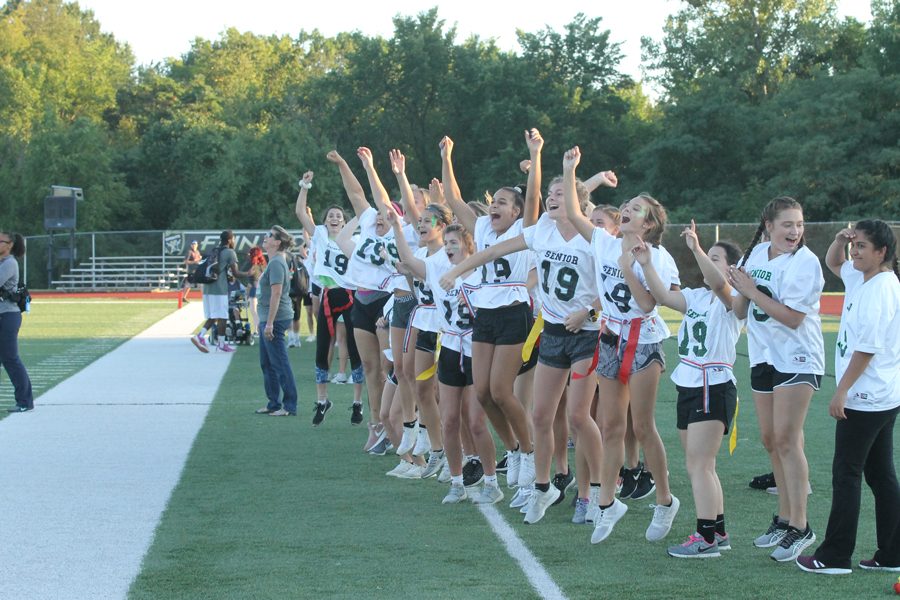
{"points": [[461, 291]]}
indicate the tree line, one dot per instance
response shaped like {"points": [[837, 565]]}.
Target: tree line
{"points": [[760, 98]]}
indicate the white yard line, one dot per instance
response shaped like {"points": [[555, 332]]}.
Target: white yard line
{"points": [[86, 475], [537, 575]]}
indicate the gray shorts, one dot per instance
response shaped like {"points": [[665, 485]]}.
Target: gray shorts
{"points": [[403, 307], [560, 348], [611, 354]]}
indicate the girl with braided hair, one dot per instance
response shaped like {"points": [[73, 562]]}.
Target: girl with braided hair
{"points": [[780, 283]]}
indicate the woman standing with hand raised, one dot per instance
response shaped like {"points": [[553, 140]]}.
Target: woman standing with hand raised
{"points": [[866, 401]]}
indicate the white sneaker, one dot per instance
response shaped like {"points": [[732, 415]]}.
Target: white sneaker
{"points": [[593, 504], [444, 475], [423, 443], [410, 435], [520, 498], [401, 468], [526, 470], [513, 464], [456, 495], [414, 472], [310, 338], [529, 495], [339, 378], [436, 460], [663, 517], [489, 494], [607, 519], [540, 502]]}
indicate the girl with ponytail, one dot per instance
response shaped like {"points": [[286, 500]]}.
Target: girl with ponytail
{"points": [[867, 399], [780, 283], [12, 246]]}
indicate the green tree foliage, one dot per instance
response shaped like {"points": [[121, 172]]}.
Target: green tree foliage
{"points": [[775, 97], [760, 98]]}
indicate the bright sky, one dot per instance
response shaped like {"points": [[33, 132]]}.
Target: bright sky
{"points": [[160, 29]]}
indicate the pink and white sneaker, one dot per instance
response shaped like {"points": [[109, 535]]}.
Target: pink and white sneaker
{"points": [[200, 343], [223, 347]]}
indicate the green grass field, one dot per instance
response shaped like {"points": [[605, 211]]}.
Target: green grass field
{"points": [[60, 337], [273, 508]]}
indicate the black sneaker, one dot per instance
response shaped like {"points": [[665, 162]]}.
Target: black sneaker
{"points": [[562, 483], [356, 417], [473, 472], [763, 482], [19, 409], [629, 480], [502, 466], [645, 485], [321, 409]]}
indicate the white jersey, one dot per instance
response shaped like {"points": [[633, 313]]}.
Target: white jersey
{"points": [[870, 322], [368, 268], [706, 340], [425, 316], [796, 281], [453, 312], [619, 309], [331, 265], [502, 281], [566, 276], [411, 234]]}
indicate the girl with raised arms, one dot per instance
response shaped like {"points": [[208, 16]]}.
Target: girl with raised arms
{"points": [[630, 354], [780, 283], [567, 292], [704, 378], [373, 275], [335, 299], [414, 338], [502, 316], [455, 361]]}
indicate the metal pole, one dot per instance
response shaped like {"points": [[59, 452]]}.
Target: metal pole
{"points": [[717, 232], [93, 261]]}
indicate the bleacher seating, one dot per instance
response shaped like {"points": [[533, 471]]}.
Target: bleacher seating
{"points": [[123, 273]]}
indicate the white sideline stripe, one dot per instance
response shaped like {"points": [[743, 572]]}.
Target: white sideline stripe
{"points": [[537, 575], [86, 475]]}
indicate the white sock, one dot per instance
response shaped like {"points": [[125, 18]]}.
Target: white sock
{"points": [[490, 480], [456, 480]]}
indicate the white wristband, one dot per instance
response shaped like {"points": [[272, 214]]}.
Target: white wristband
{"points": [[305, 185]]}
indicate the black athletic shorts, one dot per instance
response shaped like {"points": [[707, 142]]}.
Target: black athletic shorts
{"points": [[365, 316], [504, 326], [765, 378], [426, 341], [448, 369], [691, 408]]}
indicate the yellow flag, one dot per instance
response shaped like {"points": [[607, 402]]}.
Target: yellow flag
{"points": [[732, 439], [430, 371], [531, 340]]}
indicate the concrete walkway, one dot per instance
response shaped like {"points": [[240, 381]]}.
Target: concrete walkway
{"points": [[85, 477]]}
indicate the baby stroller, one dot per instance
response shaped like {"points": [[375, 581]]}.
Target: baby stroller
{"points": [[237, 328]]}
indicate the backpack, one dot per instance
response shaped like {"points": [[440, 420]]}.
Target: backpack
{"points": [[20, 296], [299, 279], [207, 270]]}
